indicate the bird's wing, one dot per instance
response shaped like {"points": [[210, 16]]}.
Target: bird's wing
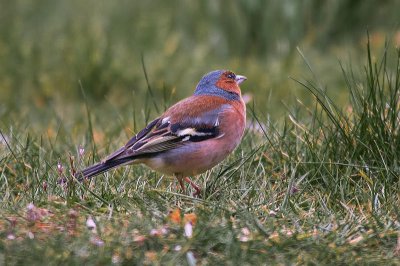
{"points": [[172, 130], [133, 140]]}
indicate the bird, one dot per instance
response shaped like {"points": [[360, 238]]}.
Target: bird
{"points": [[190, 137]]}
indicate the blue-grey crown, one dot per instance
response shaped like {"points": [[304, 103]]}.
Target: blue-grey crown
{"points": [[206, 86], [209, 79]]}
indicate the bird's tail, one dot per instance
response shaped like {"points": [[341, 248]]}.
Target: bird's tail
{"points": [[99, 168]]}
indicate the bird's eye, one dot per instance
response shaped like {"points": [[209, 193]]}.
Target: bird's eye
{"points": [[231, 76]]}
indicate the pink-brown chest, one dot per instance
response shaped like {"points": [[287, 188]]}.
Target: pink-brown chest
{"points": [[232, 124]]}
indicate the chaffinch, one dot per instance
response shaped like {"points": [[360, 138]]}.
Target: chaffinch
{"points": [[192, 136]]}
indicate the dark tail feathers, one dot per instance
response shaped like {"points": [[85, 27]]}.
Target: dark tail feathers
{"points": [[98, 168]]}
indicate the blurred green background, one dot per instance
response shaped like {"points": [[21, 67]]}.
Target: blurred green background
{"points": [[49, 49]]}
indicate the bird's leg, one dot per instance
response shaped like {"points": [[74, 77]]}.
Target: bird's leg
{"points": [[194, 186], [180, 180]]}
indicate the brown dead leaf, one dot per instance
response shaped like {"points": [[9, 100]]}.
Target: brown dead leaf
{"points": [[175, 216], [190, 217], [151, 257]]}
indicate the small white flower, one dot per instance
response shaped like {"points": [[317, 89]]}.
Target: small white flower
{"points": [[116, 259], [190, 258], [164, 231], [30, 206], [272, 213], [4, 139], [154, 232], [245, 234], [188, 230], [95, 240], [60, 168], [245, 231], [81, 151], [31, 235], [91, 225]]}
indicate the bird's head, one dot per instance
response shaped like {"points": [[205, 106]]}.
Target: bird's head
{"points": [[220, 82]]}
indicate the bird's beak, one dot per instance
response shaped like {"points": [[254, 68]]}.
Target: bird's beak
{"points": [[239, 79]]}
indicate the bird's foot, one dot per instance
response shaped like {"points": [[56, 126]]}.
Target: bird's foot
{"points": [[194, 186]]}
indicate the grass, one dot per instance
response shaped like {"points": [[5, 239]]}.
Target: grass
{"points": [[321, 189], [314, 181]]}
